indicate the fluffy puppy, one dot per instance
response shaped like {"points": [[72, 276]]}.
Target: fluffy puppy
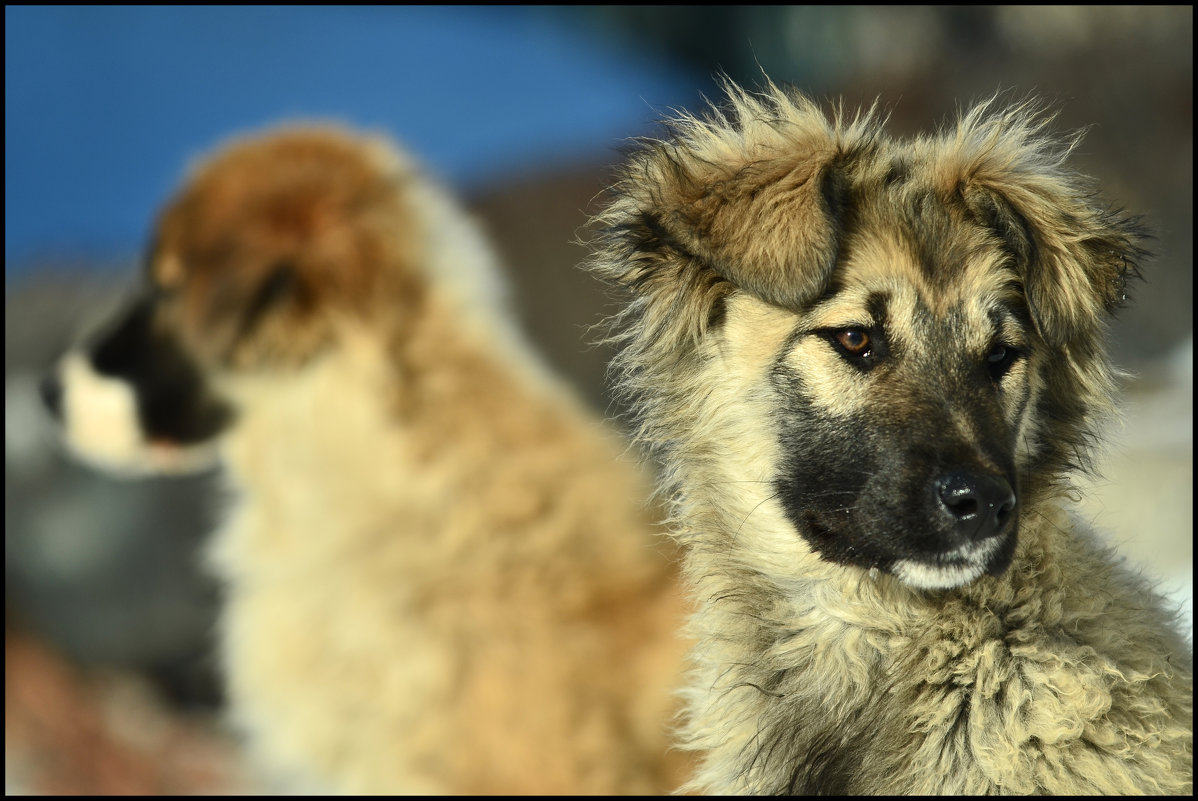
{"points": [[868, 366], [440, 575]]}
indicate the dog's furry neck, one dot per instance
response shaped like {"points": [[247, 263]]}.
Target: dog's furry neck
{"points": [[442, 388], [822, 684], [406, 383]]}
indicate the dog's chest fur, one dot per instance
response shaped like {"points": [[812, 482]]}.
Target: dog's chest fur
{"points": [[311, 547], [857, 684], [435, 543]]}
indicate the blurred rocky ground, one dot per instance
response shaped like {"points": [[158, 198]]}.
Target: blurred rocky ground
{"points": [[109, 678]]}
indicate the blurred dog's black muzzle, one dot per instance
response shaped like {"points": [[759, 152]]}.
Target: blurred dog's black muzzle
{"points": [[50, 388]]}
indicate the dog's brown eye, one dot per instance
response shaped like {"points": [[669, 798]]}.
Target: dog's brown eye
{"points": [[854, 340], [863, 348]]}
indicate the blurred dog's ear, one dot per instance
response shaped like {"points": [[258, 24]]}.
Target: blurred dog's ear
{"points": [[771, 227], [280, 286], [1074, 260]]}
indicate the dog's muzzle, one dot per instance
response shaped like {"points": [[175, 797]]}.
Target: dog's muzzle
{"points": [[50, 390]]}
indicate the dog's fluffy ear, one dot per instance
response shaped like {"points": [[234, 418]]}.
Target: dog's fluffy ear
{"points": [[1074, 258], [769, 227], [276, 235], [1074, 261], [751, 195]]}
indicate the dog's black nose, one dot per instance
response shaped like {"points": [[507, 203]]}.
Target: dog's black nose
{"points": [[50, 388], [981, 505]]}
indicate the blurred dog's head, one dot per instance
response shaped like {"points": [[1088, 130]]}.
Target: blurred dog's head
{"points": [[268, 245]]}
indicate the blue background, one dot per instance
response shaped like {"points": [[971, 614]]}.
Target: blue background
{"points": [[104, 105]]}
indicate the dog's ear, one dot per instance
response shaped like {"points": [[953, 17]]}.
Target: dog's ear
{"points": [[752, 196], [770, 227], [281, 286], [1073, 256], [1075, 260]]}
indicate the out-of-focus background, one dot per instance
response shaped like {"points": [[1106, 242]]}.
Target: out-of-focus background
{"points": [[109, 679]]}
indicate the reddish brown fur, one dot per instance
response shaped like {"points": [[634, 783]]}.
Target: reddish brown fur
{"points": [[332, 219]]}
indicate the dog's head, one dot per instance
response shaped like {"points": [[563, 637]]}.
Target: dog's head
{"points": [[895, 343], [267, 246]]}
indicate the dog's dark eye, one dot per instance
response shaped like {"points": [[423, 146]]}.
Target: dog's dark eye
{"points": [[855, 341], [860, 346], [999, 360]]}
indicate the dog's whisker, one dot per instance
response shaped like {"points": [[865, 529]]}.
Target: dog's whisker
{"points": [[750, 514]]}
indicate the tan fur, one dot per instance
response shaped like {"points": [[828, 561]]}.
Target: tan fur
{"points": [[744, 241], [441, 575]]}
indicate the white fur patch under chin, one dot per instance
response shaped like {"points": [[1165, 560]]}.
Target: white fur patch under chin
{"points": [[100, 422], [101, 426], [967, 563], [935, 577]]}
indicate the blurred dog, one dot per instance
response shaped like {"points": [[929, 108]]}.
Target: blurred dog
{"points": [[867, 366], [440, 575]]}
